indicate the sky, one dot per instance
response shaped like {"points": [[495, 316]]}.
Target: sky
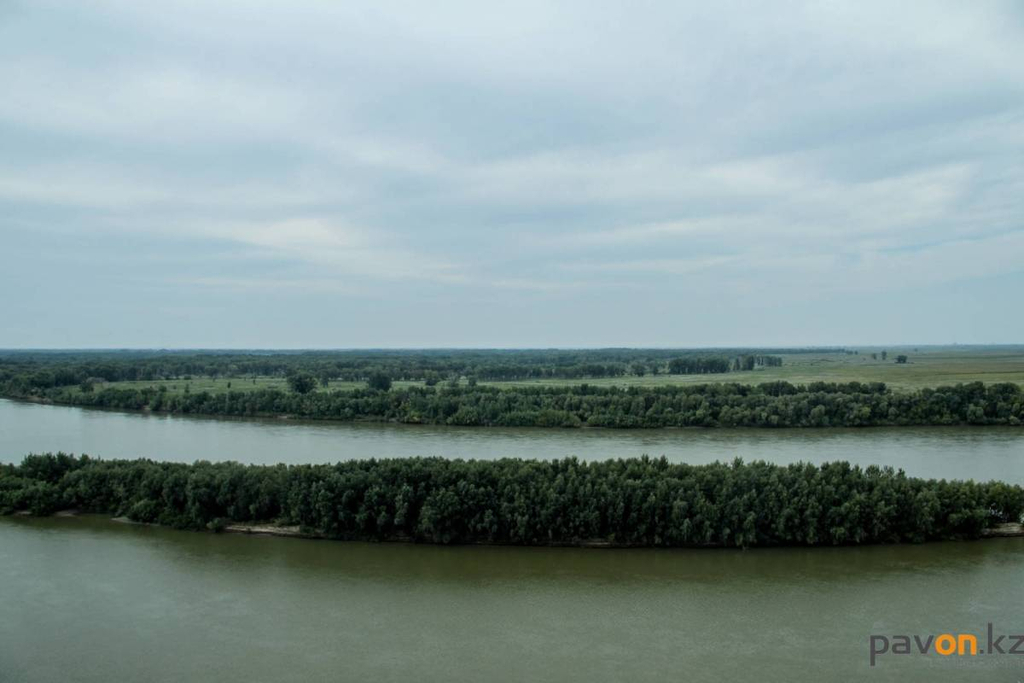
{"points": [[245, 174]]}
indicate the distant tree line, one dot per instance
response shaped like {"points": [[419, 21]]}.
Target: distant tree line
{"points": [[634, 502], [703, 365], [698, 365], [55, 369], [771, 404]]}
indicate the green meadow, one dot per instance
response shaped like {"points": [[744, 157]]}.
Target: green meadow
{"points": [[925, 367]]}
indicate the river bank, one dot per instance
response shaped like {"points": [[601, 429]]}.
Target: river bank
{"points": [[772, 405], [1006, 530]]}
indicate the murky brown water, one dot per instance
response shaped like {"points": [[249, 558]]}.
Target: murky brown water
{"points": [[951, 452], [87, 599]]}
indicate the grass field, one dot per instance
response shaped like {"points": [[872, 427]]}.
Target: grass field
{"points": [[925, 368]]}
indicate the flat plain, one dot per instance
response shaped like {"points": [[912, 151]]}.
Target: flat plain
{"points": [[925, 367]]}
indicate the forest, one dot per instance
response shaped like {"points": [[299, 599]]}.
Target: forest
{"points": [[773, 404], [628, 502], [46, 369]]}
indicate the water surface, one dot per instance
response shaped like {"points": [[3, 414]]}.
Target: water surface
{"points": [[950, 452], [87, 599]]}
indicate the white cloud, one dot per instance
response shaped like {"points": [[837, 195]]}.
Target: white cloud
{"points": [[339, 250], [552, 152]]}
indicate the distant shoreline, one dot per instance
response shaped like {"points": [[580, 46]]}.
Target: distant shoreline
{"points": [[759, 388], [753, 403]]}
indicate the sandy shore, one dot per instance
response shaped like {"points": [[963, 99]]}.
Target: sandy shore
{"points": [[1008, 530], [269, 530]]}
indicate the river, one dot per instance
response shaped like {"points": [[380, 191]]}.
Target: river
{"points": [[88, 599], [941, 452]]}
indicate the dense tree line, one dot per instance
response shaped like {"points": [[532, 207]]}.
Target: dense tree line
{"points": [[698, 365], [640, 502], [701, 365], [772, 404], [751, 361], [39, 369]]}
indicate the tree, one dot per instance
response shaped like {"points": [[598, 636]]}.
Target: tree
{"points": [[696, 365], [874, 356], [379, 380], [884, 354], [901, 358], [301, 382], [637, 501]]}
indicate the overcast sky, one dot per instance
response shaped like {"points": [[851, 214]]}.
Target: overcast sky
{"points": [[346, 174]]}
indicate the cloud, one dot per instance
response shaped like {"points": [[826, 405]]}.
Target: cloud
{"points": [[546, 160], [678, 266], [344, 251]]}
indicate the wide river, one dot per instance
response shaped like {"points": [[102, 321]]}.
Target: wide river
{"points": [[940, 452], [88, 599]]}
